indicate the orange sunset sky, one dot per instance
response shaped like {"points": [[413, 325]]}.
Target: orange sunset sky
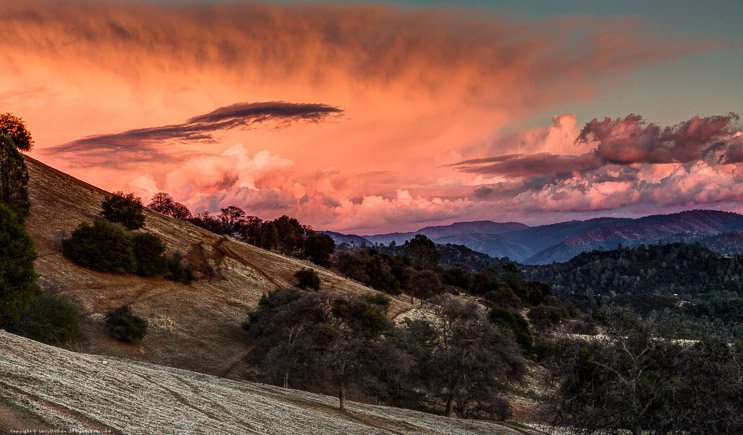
{"points": [[372, 117]]}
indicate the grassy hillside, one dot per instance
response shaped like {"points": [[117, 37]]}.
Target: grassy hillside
{"points": [[197, 326], [44, 387]]}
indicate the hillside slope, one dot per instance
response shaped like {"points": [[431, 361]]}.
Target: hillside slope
{"points": [[688, 225], [196, 327], [70, 391]]}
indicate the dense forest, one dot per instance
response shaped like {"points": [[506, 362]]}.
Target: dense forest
{"points": [[664, 269]]}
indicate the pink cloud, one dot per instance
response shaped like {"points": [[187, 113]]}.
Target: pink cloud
{"points": [[633, 140], [419, 89]]}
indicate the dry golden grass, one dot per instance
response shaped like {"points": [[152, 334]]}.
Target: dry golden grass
{"points": [[195, 327]]}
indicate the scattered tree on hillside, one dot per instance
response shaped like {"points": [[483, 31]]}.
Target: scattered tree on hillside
{"points": [[463, 358], [315, 338], [269, 236], [123, 325], [164, 203], [51, 319], [422, 251], [291, 235], [15, 128], [251, 230], [13, 177], [380, 273], [351, 265], [125, 209], [17, 276], [285, 331], [307, 278], [318, 248], [103, 246], [356, 328], [232, 219], [423, 284]]}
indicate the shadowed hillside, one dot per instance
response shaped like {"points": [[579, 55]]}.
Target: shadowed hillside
{"points": [[195, 326], [44, 387]]}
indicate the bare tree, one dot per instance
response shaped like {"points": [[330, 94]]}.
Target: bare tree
{"points": [[463, 358]]}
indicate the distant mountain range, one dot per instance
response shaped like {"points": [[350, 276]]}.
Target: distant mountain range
{"points": [[720, 231]]}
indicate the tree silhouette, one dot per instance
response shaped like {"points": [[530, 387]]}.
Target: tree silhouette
{"points": [[318, 248], [17, 275], [13, 177], [423, 252], [164, 203], [125, 209], [15, 128]]}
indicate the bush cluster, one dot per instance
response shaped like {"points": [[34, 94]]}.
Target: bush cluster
{"points": [[125, 209], [17, 276], [123, 325], [51, 319], [516, 323], [307, 278], [107, 247], [102, 246], [178, 272]]}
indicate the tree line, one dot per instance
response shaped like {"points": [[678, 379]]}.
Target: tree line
{"points": [[284, 234]]}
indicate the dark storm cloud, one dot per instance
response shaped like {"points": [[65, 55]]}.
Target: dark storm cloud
{"points": [[534, 164], [147, 144]]}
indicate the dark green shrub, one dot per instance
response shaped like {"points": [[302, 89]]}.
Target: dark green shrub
{"points": [[123, 325], [17, 276], [148, 252], [13, 176], [103, 246], [125, 209], [318, 248], [516, 323], [307, 278], [178, 272], [379, 300], [51, 319]]}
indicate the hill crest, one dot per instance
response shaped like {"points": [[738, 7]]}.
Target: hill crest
{"points": [[197, 326]]}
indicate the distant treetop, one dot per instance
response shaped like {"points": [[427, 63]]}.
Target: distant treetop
{"points": [[125, 209], [16, 129]]}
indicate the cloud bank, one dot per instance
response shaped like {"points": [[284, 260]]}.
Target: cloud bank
{"points": [[695, 171], [633, 165], [105, 86]]}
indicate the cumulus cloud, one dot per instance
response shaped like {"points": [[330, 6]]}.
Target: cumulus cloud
{"points": [[633, 140], [541, 184], [624, 142], [634, 164], [419, 87]]}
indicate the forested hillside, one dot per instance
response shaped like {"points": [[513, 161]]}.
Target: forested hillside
{"points": [[667, 269]]}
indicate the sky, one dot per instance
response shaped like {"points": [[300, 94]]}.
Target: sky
{"points": [[369, 117]]}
